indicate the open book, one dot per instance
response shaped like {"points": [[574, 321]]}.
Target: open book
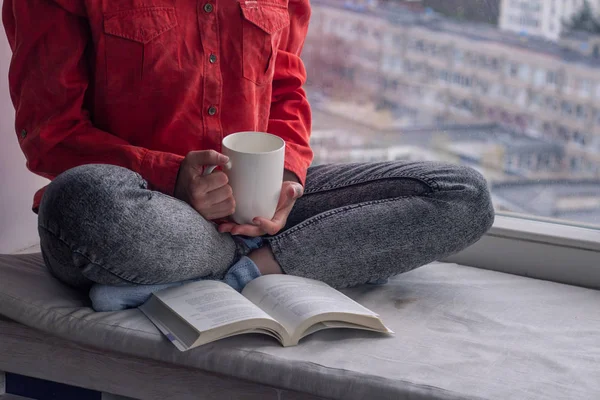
{"points": [[283, 306]]}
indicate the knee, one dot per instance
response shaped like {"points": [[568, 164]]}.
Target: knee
{"points": [[80, 209], [474, 200], [88, 181], [84, 190]]}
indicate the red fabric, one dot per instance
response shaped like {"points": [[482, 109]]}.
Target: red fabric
{"points": [[130, 82]]}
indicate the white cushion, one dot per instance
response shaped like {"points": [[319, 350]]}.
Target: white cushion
{"points": [[460, 333]]}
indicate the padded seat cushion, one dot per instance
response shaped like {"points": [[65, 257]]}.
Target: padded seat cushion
{"points": [[461, 333]]}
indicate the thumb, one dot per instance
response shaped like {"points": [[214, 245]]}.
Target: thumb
{"points": [[295, 190], [199, 159], [289, 193]]}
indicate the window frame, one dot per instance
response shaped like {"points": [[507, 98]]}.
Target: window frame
{"points": [[541, 248]]}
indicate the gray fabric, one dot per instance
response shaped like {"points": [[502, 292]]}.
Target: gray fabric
{"points": [[356, 223], [367, 221], [100, 223], [461, 333]]}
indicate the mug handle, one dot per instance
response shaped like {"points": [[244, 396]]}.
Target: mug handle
{"points": [[209, 169]]}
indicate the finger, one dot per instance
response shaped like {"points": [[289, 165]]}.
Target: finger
{"points": [[219, 195], [277, 223], [284, 197], [235, 229], [298, 190], [294, 190], [221, 210], [226, 227], [211, 182], [290, 193], [247, 230], [273, 226], [199, 159]]}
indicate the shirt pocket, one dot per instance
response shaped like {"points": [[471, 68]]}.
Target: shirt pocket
{"points": [[262, 25], [139, 43]]}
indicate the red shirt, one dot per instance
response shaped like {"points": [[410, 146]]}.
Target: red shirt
{"points": [[140, 83]]}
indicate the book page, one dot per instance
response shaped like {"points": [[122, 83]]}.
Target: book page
{"points": [[209, 304], [181, 346], [292, 299]]}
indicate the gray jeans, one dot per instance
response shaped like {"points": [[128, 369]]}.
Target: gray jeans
{"points": [[356, 223]]}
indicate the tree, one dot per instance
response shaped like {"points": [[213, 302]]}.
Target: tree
{"points": [[584, 20]]}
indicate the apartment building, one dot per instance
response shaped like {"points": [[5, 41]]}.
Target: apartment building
{"points": [[464, 73], [542, 18]]}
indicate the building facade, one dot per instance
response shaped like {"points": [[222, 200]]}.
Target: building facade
{"points": [[542, 18], [462, 73]]}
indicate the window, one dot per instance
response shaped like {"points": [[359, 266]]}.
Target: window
{"points": [[524, 72], [459, 57], [512, 69], [585, 87], [520, 100], [536, 101], [581, 112], [567, 108], [539, 77]]}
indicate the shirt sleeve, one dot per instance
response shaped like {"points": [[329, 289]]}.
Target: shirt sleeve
{"points": [[290, 116], [48, 80]]}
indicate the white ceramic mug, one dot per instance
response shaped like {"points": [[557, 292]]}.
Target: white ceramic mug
{"points": [[255, 172]]}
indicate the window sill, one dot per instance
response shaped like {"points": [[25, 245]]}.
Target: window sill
{"points": [[539, 249], [548, 231]]}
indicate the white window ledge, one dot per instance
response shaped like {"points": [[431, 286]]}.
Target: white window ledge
{"points": [[540, 249]]}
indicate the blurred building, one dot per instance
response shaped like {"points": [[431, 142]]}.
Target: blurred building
{"points": [[469, 10], [582, 43], [540, 17], [575, 200], [526, 175], [462, 73], [499, 153]]}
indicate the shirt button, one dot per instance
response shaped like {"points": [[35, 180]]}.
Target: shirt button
{"points": [[212, 110], [212, 59], [208, 8], [23, 134]]}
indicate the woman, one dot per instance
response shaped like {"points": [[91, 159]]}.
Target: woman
{"points": [[121, 103]]}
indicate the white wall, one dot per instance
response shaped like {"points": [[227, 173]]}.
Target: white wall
{"points": [[18, 226]]}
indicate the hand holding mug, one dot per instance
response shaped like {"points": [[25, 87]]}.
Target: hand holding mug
{"points": [[290, 192], [210, 195], [255, 172]]}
